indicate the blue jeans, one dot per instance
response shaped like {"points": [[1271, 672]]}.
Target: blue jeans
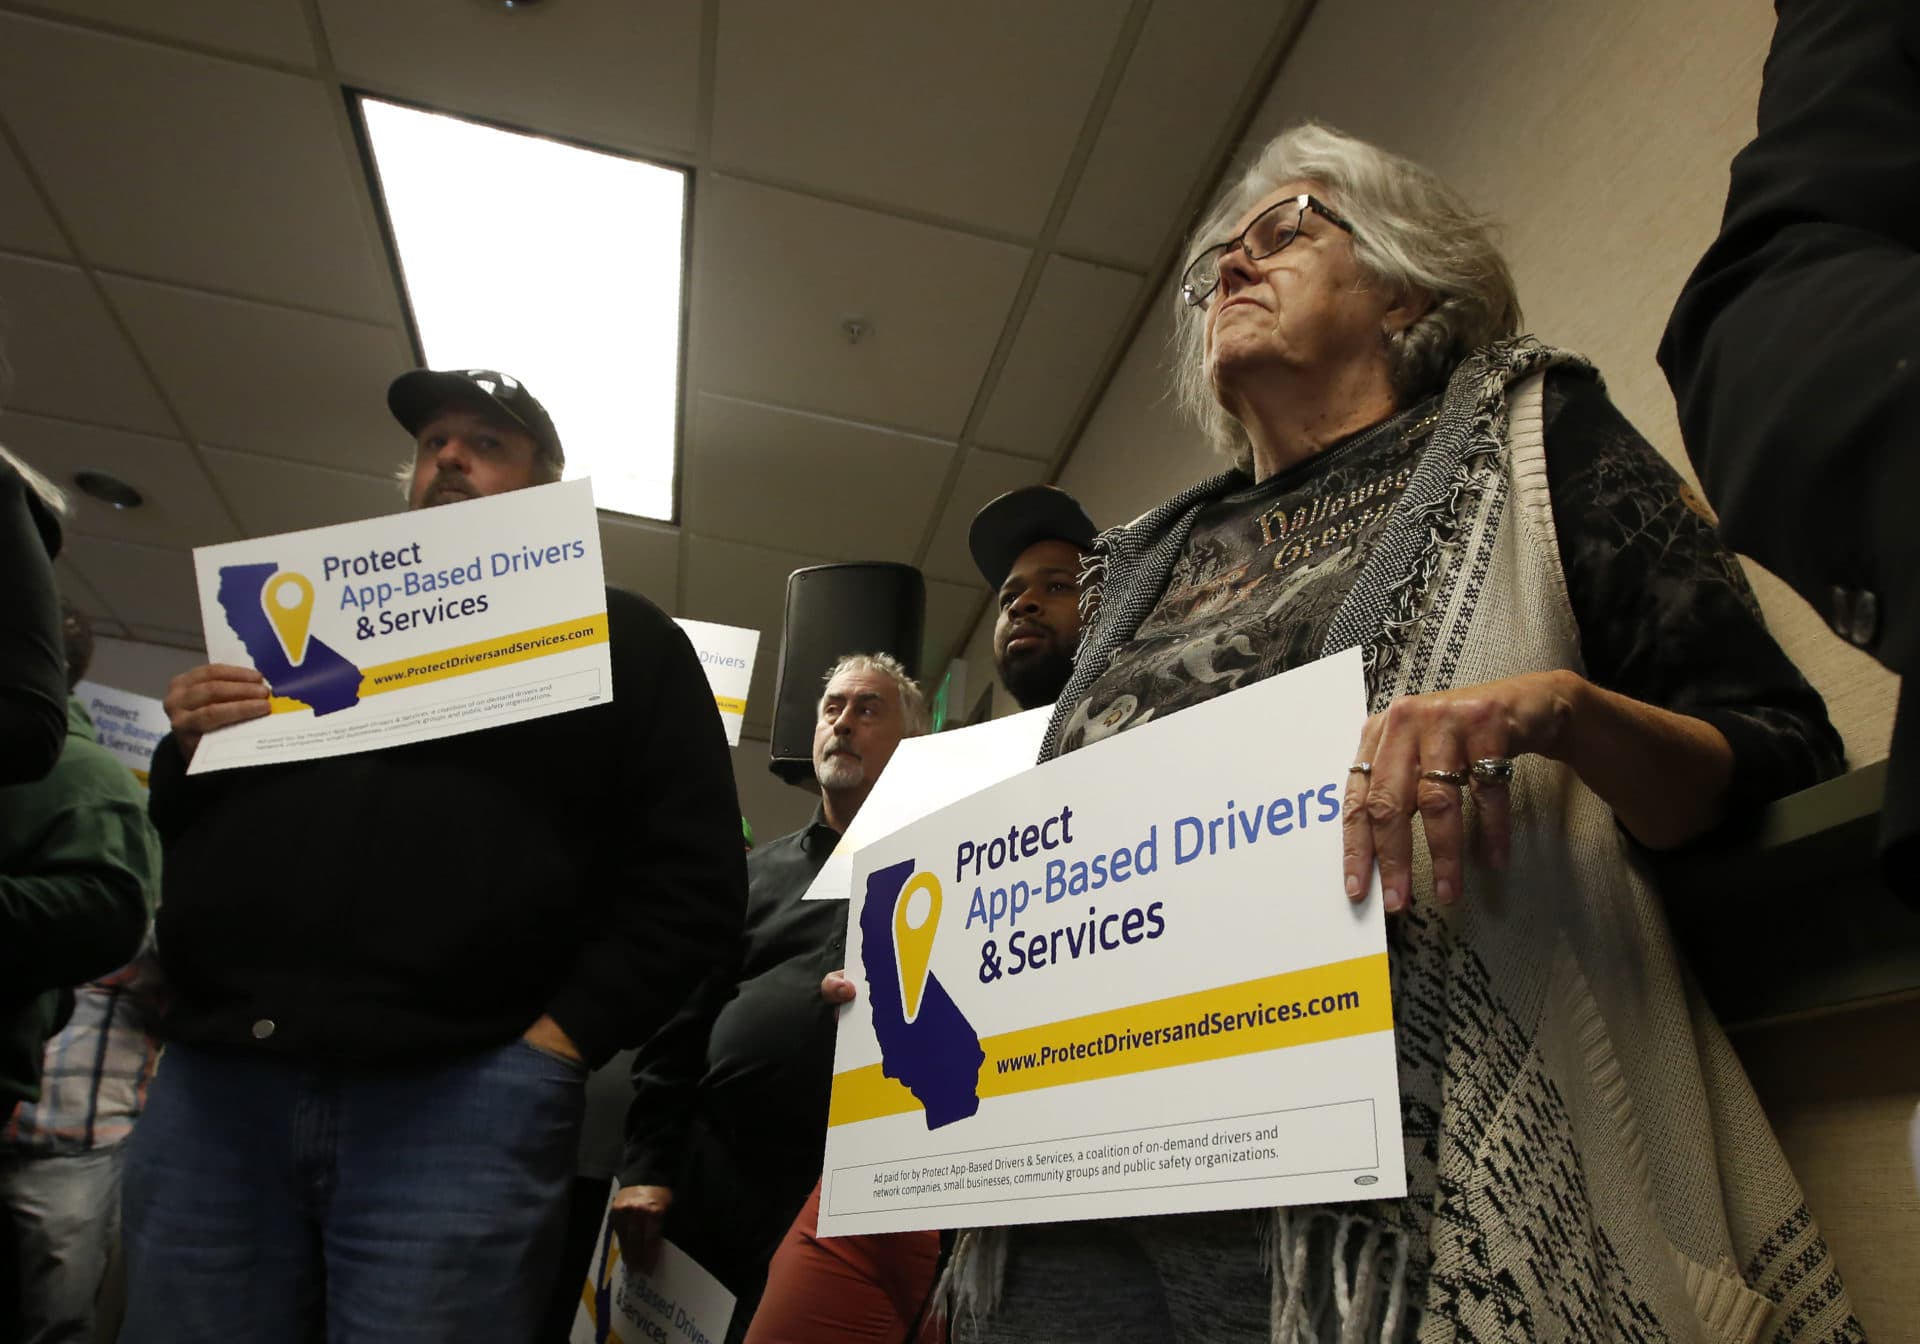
{"points": [[271, 1201], [59, 1214]]}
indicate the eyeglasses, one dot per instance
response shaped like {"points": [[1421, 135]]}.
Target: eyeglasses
{"points": [[1270, 230]]}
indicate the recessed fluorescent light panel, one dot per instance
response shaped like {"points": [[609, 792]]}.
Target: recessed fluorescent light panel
{"points": [[556, 264]]}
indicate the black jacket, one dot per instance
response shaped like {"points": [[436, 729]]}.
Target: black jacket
{"points": [[33, 661], [730, 1099], [414, 902], [1794, 351]]}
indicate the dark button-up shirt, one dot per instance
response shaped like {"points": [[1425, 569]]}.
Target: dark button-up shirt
{"points": [[733, 1117]]}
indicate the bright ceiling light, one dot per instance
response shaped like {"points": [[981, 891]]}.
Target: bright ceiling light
{"points": [[556, 264]]}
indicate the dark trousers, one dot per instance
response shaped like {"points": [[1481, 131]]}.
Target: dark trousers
{"points": [[270, 1201]]}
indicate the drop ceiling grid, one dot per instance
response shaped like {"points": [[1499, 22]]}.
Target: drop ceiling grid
{"points": [[961, 252]]}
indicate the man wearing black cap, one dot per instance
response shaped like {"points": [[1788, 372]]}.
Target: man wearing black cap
{"points": [[1028, 544], [393, 970]]}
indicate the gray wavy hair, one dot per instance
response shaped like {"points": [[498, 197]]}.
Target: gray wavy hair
{"points": [[913, 701], [1411, 232]]}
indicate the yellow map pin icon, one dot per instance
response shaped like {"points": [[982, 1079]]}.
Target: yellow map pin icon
{"points": [[916, 918], [288, 600]]}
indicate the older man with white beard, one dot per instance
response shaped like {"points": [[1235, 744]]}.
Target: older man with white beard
{"points": [[727, 1131]]}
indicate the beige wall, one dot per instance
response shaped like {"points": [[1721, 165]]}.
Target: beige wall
{"points": [[1600, 138]]}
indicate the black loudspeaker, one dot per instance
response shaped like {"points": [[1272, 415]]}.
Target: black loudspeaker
{"points": [[833, 610]]}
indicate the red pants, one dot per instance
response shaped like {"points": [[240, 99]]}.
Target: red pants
{"points": [[846, 1290]]}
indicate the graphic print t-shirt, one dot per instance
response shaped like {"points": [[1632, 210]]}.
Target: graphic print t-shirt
{"points": [[1256, 588], [1664, 612]]}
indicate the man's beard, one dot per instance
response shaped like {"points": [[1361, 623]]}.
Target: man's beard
{"points": [[1036, 678], [842, 770], [446, 487]]}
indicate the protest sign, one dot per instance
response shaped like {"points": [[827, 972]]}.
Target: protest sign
{"points": [[128, 725], [726, 655], [1128, 981], [412, 626]]}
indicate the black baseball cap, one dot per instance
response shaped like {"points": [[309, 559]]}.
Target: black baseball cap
{"points": [[418, 395], [1013, 522]]}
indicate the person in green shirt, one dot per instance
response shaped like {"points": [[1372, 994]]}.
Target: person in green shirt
{"points": [[79, 874]]}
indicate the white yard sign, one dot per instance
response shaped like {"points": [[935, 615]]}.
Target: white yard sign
{"points": [[414, 626], [1128, 981], [726, 656], [128, 725]]}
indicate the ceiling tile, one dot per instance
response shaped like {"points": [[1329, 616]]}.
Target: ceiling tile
{"points": [[642, 558], [24, 221], [745, 586], [1169, 113], [810, 483], [608, 71], [777, 273], [144, 585], [983, 476], [74, 588], [67, 357], [969, 112], [180, 509], [272, 495], [194, 169], [952, 609], [274, 30], [272, 380], [1074, 316], [193, 640]]}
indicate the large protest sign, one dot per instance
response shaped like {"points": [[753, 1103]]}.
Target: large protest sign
{"points": [[1128, 981], [413, 626]]}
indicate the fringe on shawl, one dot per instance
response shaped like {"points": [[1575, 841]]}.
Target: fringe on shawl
{"points": [[1093, 576], [1335, 1276]]}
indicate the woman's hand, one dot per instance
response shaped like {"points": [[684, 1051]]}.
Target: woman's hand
{"points": [[1444, 733], [1664, 774]]}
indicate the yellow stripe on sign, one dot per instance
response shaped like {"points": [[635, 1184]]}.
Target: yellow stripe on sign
{"points": [[1313, 1000], [480, 656], [728, 705]]}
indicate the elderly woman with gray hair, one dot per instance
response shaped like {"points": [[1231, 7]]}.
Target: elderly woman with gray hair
{"points": [[1551, 631]]}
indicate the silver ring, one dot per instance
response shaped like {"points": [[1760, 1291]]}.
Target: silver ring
{"points": [[1360, 768], [1453, 777], [1492, 769]]}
